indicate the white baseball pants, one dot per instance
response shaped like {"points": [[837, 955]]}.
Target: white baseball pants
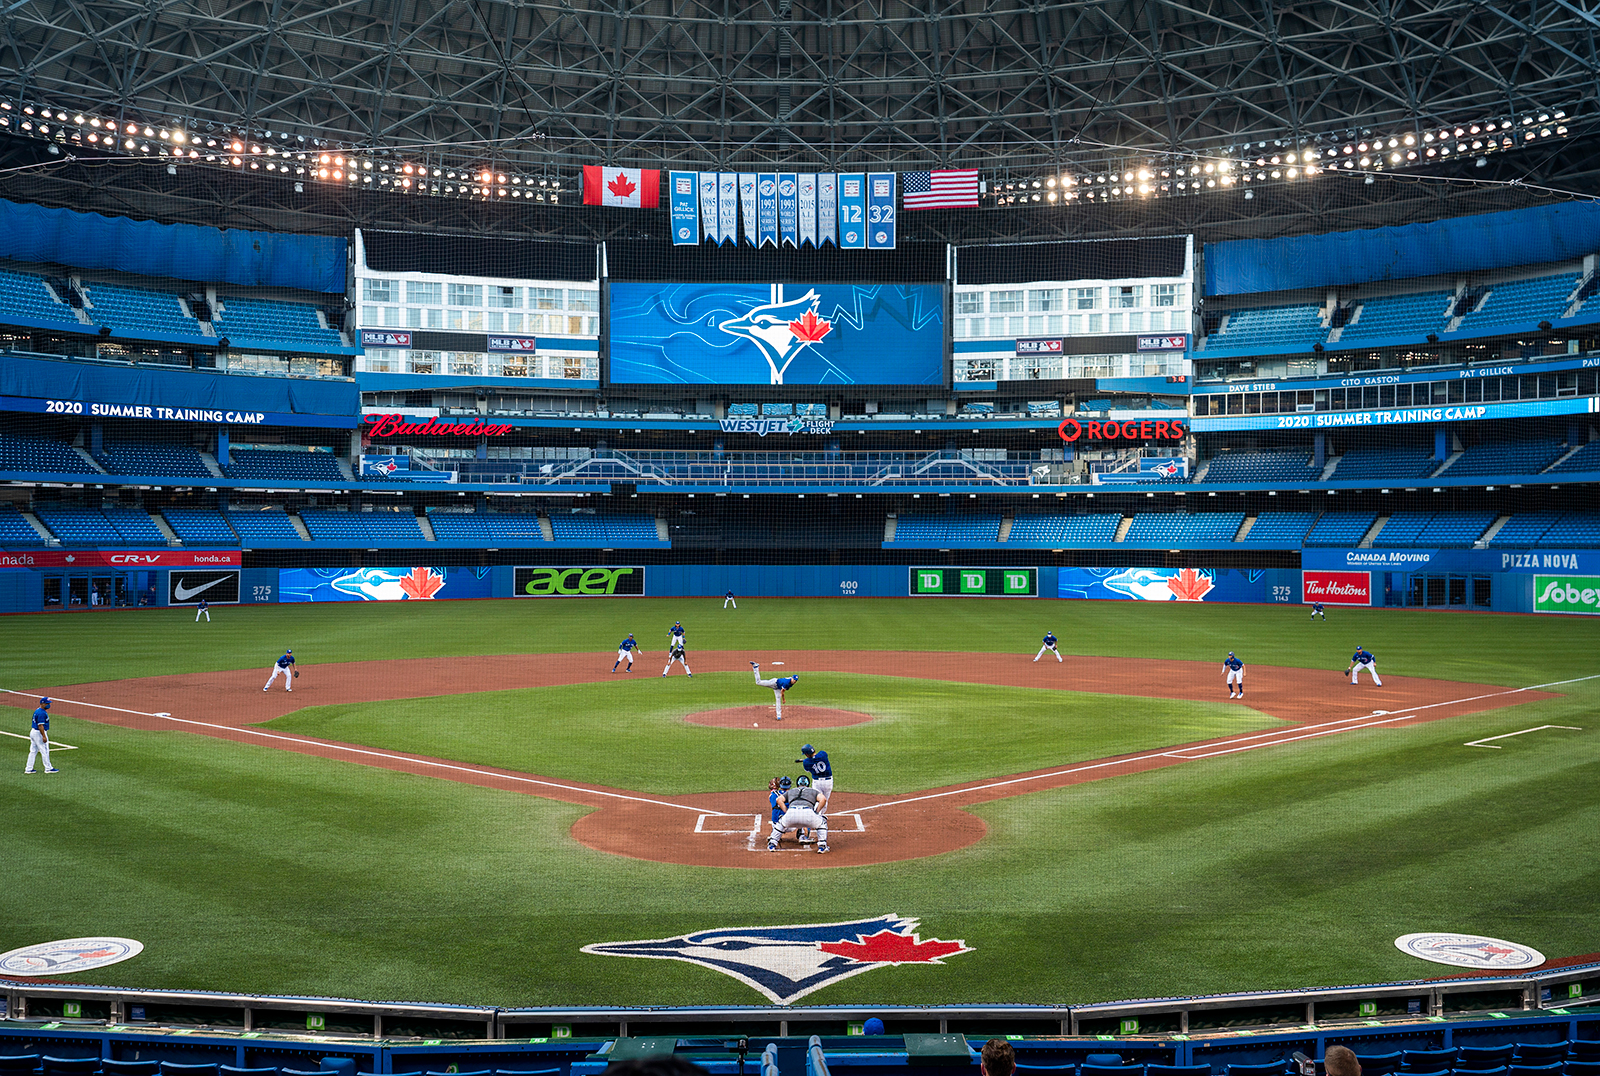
{"points": [[1052, 650], [37, 745], [1371, 667], [288, 677]]}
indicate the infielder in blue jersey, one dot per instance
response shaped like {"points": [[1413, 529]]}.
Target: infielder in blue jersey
{"points": [[39, 738], [816, 764], [284, 665], [676, 632], [778, 685], [625, 651], [1050, 645], [1233, 669], [1363, 659]]}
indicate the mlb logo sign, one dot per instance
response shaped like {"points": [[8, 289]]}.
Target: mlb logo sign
{"points": [[684, 185], [880, 188], [850, 188], [1336, 588]]}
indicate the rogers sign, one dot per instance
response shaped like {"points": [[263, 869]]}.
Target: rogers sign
{"points": [[1336, 588], [1141, 430]]}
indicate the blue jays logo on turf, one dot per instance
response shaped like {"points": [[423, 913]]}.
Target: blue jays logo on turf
{"points": [[787, 963], [68, 955], [1469, 951]]}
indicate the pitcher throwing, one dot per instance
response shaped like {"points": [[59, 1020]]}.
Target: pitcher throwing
{"points": [[779, 685]]}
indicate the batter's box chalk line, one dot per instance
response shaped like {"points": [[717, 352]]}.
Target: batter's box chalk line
{"points": [[718, 819]]}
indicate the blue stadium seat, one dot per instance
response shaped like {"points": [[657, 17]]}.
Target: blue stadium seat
{"points": [[271, 464], [1183, 529], [1281, 529], [19, 1063], [1379, 1064], [272, 325], [167, 460], [68, 1066], [1291, 467], [25, 296], [1360, 463], [16, 531], [1275, 328], [1341, 528], [1484, 1056], [1528, 302], [174, 1068], [270, 526], [134, 312], [1541, 1053], [1417, 1061], [1058, 531], [954, 529], [1399, 315], [598, 529], [1524, 529], [1586, 458], [40, 454], [1505, 457], [199, 526], [110, 1067]]}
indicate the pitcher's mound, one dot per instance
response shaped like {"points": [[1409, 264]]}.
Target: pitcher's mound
{"points": [[794, 717]]}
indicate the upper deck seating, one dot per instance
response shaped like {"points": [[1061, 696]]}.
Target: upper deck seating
{"points": [[1525, 528], [23, 295], [1289, 467], [1181, 529], [134, 525], [380, 526], [1271, 328], [511, 528], [77, 525], [1581, 529], [166, 460], [272, 324], [14, 530], [1279, 528], [40, 454], [1533, 300], [954, 528], [1586, 458], [1361, 463], [1400, 315], [599, 528], [199, 526], [1341, 528], [132, 311], [1505, 457], [291, 466], [1064, 531], [269, 526]]}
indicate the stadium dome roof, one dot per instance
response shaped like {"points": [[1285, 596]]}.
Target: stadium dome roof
{"points": [[1006, 86]]}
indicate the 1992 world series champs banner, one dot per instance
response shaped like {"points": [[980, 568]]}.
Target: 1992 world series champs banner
{"points": [[777, 334]]}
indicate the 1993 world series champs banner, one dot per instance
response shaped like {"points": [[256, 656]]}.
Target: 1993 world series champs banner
{"points": [[851, 210]]}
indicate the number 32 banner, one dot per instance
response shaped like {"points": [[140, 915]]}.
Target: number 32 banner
{"points": [[855, 210]]}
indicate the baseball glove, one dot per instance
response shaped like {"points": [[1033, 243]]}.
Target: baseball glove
{"points": [[297, 674], [1347, 672]]}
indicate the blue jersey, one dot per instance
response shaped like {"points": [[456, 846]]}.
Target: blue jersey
{"points": [[730, 593], [1233, 663], [41, 719], [627, 644], [817, 766], [676, 631], [286, 661], [1316, 607], [1361, 657], [778, 805], [784, 683], [1049, 638]]}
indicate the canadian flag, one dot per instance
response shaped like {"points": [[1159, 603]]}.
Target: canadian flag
{"points": [[632, 188]]}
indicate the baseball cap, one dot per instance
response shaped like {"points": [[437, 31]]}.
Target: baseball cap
{"points": [[45, 702], [1230, 653]]}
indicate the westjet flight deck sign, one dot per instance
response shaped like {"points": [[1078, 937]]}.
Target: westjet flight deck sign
{"points": [[777, 334]]}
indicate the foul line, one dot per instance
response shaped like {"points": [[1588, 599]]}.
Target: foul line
{"points": [[55, 745], [1507, 735], [1171, 753], [379, 754]]}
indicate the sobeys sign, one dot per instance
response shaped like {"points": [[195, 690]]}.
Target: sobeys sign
{"points": [[1566, 594], [578, 582]]}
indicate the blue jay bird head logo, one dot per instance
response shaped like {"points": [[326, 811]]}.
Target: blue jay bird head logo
{"points": [[781, 330], [787, 963]]}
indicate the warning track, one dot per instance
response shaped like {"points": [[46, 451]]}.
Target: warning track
{"points": [[1314, 704]]}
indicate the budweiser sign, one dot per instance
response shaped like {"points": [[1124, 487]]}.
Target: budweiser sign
{"points": [[397, 426], [1337, 588]]}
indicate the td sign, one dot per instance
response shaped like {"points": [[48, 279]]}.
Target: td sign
{"points": [[974, 582]]}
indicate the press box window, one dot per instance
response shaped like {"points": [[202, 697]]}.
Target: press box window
{"points": [[1165, 294], [1044, 300], [502, 298], [425, 293], [1084, 298], [544, 298], [586, 299], [1127, 297], [380, 291], [466, 294], [1006, 302], [969, 302]]}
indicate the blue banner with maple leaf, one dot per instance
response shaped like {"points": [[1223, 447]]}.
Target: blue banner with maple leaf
{"points": [[1172, 584], [777, 334], [381, 584]]}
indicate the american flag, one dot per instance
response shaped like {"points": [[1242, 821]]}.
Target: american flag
{"points": [[939, 190]]}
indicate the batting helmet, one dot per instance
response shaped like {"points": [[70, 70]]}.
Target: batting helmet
{"points": [[808, 750], [804, 780], [784, 782]]}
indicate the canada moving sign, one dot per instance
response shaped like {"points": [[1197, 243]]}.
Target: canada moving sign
{"points": [[1337, 588]]}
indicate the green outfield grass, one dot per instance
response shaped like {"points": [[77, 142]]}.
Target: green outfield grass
{"points": [[248, 869]]}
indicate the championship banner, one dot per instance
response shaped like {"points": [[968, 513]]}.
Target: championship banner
{"points": [[728, 207], [747, 206], [788, 208], [880, 210], [685, 221], [767, 208], [708, 206], [852, 211], [828, 208], [808, 210]]}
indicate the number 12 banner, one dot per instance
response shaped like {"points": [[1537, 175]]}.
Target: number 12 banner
{"points": [[855, 210]]}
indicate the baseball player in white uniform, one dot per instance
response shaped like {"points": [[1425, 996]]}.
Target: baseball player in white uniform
{"points": [[284, 665], [202, 610], [727, 601], [39, 737], [779, 685], [802, 813], [1233, 669], [1050, 645], [1363, 659]]}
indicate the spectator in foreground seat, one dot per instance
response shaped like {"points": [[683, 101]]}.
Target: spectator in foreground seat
{"points": [[998, 1058], [1341, 1061]]}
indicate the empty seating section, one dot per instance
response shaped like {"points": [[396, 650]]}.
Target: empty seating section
{"points": [[777, 410], [79, 525], [954, 529], [271, 323], [1271, 327], [1538, 299], [1182, 529], [1573, 529], [25, 296], [1506, 457], [489, 528], [1525, 528], [134, 525], [1261, 467], [291, 466], [1402, 529], [39, 454], [381, 526], [743, 410], [1341, 528], [1400, 315], [1443, 529], [1280, 528], [173, 461], [596, 528], [1586, 458], [270, 526], [1063, 531], [1385, 463], [199, 526], [131, 311], [16, 531]]}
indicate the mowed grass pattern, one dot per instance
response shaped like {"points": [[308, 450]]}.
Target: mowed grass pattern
{"points": [[244, 868]]}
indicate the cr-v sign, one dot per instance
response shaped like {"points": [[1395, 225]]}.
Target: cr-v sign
{"points": [[579, 582]]}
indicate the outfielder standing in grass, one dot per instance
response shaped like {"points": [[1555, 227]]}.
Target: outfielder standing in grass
{"points": [[202, 610]]}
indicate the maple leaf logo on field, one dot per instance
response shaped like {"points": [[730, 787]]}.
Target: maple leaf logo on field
{"points": [[1190, 586], [888, 947], [810, 328], [621, 186], [421, 583]]}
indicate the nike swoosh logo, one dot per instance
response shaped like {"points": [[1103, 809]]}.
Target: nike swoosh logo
{"points": [[183, 593]]}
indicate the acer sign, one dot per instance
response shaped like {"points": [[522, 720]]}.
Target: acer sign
{"points": [[590, 582], [1336, 588], [1140, 430]]}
